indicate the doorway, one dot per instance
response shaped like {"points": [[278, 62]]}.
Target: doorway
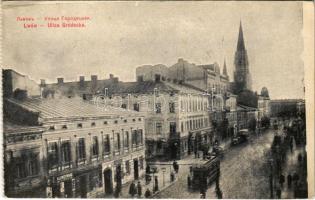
{"points": [[68, 188], [108, 181], [136, 169], [174, 150], [83, 186]]}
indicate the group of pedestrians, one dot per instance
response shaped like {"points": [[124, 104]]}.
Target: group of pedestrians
{"points": [[136, 190]]}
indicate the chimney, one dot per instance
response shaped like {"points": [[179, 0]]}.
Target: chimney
{"points": [[42, 83], [81, 82], [111, 76], [59, 80], [94, 81]]}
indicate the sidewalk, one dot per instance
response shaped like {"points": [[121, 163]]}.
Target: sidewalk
{"points": [[291, 166], [164, 181]]}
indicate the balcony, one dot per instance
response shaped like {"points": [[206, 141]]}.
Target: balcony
{"points": [[174, 135]]}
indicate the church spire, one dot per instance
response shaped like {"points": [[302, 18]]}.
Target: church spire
{"points": [[240, 42], [224, 68]]}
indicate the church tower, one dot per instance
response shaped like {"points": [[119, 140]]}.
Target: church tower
{"points": [[242, 77]]}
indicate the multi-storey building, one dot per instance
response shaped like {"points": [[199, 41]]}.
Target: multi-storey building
{"points": [[69, 147], [176, 114]]}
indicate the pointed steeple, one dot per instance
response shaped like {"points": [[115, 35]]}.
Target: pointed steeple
{"points": [[224, 68], [240, 42]]}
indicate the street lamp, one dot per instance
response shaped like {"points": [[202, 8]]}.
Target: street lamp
{"points": [[163, 170]]}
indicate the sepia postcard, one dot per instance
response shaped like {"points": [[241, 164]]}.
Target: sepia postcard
{"points": [[157, 99]]}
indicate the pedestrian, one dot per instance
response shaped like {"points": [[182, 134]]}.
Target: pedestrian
{"points": [[132, 189], [188, 181], [291, 144], [279, 193], [147, 193], [289, 180], [300, 158], [156, 184], [139, 189], [147, 169], [176, 168], [117, 191], [295, 178], [281, 180], [174, 165], [219, 193]]}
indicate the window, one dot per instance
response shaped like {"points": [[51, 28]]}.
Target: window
{"points": [[93, 124], [115, 121], [172, 127], [136, 107], [95, 146], [157, 77], [105, 122], [79, 125], [106, 145], [141, 136], [158, 107], [52, 155], [117, 142], [182, 126], [126, 140], [52, 128], [141, 162], [33, 165], [65, 152], [134, 137], [158, 128], [81, 149], [172, 107], [64, 127], [139, 119], [127, 166], [124, 105], [140, 78], [20, 170], [125, 120]]}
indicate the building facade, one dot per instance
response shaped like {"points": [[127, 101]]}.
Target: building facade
{"points": [[176, 114], [69, 147]]}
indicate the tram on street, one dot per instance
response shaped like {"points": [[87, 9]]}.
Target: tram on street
{"points": [[204, 172]]}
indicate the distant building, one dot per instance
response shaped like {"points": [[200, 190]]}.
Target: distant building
{"points": [[70, 147], [18, 85], [263, 106], [242, 76], [82, 88], [286, 107]]}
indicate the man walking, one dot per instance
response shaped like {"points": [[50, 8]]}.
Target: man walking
{"points": [[139, 187], [132, 189]]}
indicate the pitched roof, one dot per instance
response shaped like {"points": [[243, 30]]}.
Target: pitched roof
{"points": [[240, 42], [245, 108], [65, 108], [149, 87]]}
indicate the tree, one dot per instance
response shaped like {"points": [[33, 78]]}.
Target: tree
{"points": [[252, 124], [265, 121], [247, 98]]}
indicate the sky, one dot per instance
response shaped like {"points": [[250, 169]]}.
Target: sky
{"points": [[121, 36]]}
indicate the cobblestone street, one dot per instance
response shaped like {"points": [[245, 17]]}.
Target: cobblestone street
{"points": [[244, 172]]}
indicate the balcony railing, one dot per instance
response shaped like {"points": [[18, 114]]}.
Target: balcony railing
{"points": [[174, 135]]}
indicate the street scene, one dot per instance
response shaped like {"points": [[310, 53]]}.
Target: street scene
{"points": [[167, 100]]}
